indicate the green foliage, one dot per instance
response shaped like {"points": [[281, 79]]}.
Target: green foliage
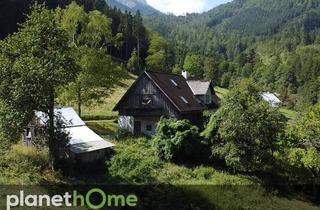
{"points": [[244, 130], [34, 63], [301, 164], [10, 122], [177, 140], [306, 131], [23, 165], [133, 62], [95, 28], [193, 65], [99, 74], [134, 162], [157, 53], [210, 69]]}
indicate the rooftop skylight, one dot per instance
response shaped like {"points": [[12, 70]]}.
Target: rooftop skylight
{"points": [[174, 83], [184, 99]]}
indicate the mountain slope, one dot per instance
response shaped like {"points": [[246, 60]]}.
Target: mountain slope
{"points": [[260, 39], [260, 17], [133, 6]]}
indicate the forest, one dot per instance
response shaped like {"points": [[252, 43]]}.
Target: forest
{"points": [[86, 54], [276, 43]]}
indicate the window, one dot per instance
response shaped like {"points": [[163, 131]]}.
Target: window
{"points": [[146, 101], [149, 127], [184, 99], [174, 83], [208, 99]]}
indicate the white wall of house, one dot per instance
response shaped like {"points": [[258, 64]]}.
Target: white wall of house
{"points": [[126, 123], [148, 125]]}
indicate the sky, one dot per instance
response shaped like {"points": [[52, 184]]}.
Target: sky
{"points": [[181, 7]]}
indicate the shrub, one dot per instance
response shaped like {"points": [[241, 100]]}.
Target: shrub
{"points": [[177, 141], [134, 162], [307, 129], [122, 134], [304, 164]]}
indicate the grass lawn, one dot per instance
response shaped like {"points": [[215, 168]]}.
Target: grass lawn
{"points": [[221, 92], [290, 114], [103, 127], [103, 110]]}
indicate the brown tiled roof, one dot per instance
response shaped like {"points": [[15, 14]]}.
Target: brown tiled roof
{"points": [[176, 89]]}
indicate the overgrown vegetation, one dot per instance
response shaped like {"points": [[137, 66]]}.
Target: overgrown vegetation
{"points": [[135, 162], [178, 141]]}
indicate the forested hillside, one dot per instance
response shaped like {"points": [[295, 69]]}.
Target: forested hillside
{"points": [[275, 42], [127, 27]]}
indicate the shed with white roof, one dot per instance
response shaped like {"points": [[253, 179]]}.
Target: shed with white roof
{"points": [[84, 144]]}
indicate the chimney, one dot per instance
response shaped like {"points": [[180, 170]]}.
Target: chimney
{"points": [[185, 74]]}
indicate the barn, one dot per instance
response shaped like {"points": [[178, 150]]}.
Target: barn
{"points": [[154, 95], [84, 146]]}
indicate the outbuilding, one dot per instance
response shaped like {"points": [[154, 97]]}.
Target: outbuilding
{"points": [[84, 145]]}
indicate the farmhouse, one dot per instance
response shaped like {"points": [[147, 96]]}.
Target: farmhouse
{"points": [[157, 94], [84, 146]]}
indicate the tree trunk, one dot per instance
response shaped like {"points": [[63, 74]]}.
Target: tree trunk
{"points": [[139, 54], [79, 102], [52, 146]]}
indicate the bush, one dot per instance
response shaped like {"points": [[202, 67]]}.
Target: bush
{"points": [[307, 129], [122, 134], [301, 165], [178, 141], [134, 162]]}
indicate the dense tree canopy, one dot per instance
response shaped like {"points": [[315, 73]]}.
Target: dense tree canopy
{"points": [[89, 34], [275, 42], [244, 130], [157, 53]]}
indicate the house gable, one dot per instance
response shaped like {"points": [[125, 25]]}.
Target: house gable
{"points": [[144, 98]]}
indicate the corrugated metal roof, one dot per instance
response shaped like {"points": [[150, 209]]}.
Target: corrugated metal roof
{"points": [[271, 98], [82, 134], [89, 147], [67, 114], [199, 87], [82, 138]]}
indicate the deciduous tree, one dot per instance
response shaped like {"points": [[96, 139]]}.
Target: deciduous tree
{"points": [[34, 63]]}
